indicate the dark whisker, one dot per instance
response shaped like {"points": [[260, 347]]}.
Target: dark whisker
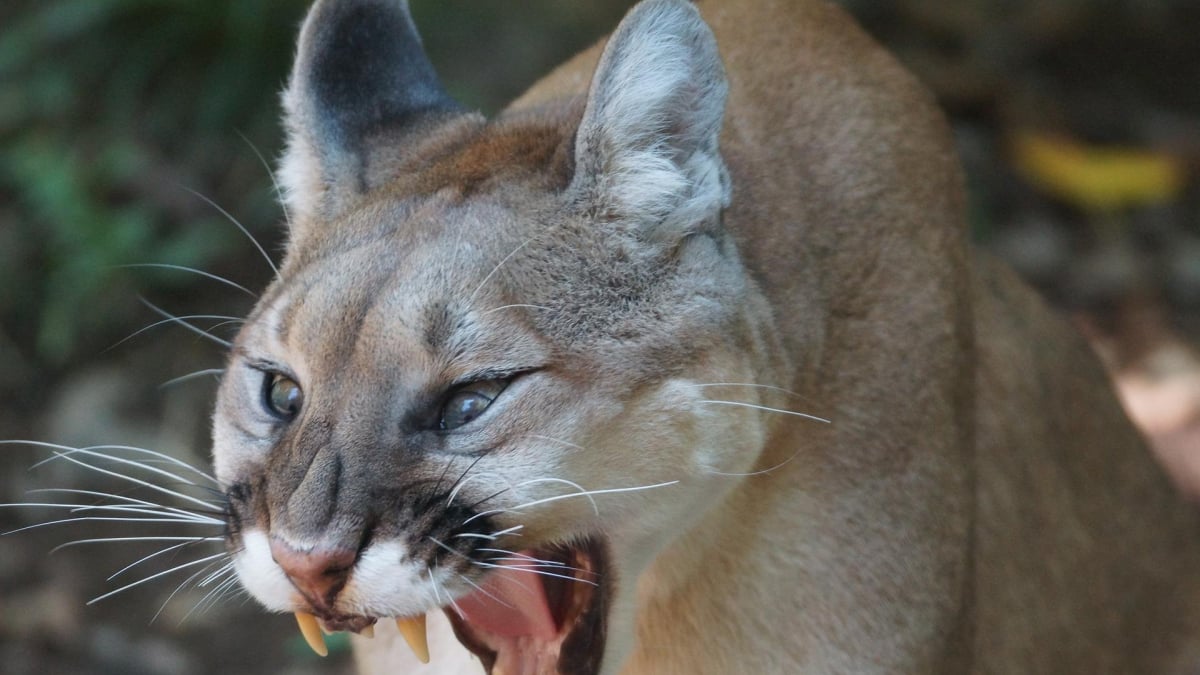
{"points": [[458, 482]]}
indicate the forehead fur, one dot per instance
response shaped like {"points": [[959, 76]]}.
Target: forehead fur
{"points": [[461, 158], [533, 148]]}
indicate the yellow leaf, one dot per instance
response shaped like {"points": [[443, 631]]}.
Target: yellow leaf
{"points": [[1097, 178]]}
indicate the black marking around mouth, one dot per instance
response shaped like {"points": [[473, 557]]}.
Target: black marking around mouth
{"points": [[241, 506], [436, 530]]}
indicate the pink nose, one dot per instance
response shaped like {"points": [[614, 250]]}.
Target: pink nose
{"points": [[319, 574]]}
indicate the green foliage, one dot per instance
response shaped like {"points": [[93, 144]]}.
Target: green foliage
{"points": [[110, 112]]}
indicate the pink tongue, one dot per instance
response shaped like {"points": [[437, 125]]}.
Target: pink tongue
{"points": [[512, 603]]}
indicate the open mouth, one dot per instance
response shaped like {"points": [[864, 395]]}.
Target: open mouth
{"points": [[537, 612]]}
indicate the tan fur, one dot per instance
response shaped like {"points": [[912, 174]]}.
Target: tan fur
{"points": [[978, 503]]}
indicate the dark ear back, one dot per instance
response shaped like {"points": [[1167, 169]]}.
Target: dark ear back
{"points": [[360, 83]]}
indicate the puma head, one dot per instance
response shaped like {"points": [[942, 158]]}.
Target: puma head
{"points": [[492, 354]]}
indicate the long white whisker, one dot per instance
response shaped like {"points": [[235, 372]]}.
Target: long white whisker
{"points": [[433, 584], [67, 455], [279, 197], [209, 599], [484, 514], [767, 409], [466, 479], [104, 519], [513, 555], [490, 537], [191, 376], [529, 561], [588, 493], [145, 511], [157, 488], [518, 564], [122, 498], [195, 329], [186, 317], [94, 448], [495, 269], [470, 560], [555, 440], [497, 309], [202, 273], [508, 530], [157, 575], [577, 486], [481, 590], [521, 563], [240, 227], [531, 570], [162, 551], [220, 572], [105, 540], [182, 585], [760, 472], [437, 596], [451, 550], [585, 493], [474, 535], [214, 596]]}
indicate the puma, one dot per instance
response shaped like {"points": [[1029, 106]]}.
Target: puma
{"points": [[680, 364]]}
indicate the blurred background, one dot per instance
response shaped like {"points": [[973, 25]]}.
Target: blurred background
{"points": [[129, 128]]}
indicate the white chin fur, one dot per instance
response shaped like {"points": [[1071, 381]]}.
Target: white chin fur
{"points": [[261, 576], [387, 582]]}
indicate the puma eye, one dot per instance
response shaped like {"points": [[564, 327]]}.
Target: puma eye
{"points": [[282, 396], [468, 402]]}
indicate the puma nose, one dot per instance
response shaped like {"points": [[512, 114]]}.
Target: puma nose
{"points": [[319, 574]]}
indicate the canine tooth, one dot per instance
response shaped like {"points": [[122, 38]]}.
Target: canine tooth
{"points": [[368, 631], [311, 631], [413, 630]]}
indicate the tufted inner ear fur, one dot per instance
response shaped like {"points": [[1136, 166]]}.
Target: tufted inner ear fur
{"points": [[361, 83], [646, 148]]}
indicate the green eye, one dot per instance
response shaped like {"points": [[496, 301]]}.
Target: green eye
{"points": [[282, 396], [468, 402]]}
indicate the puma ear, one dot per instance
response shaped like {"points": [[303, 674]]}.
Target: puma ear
{"points": [[646, 148], [360, 83]]}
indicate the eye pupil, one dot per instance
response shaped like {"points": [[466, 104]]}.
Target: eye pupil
{"points": [[284, 396], [464, 408], [468, 403]]}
